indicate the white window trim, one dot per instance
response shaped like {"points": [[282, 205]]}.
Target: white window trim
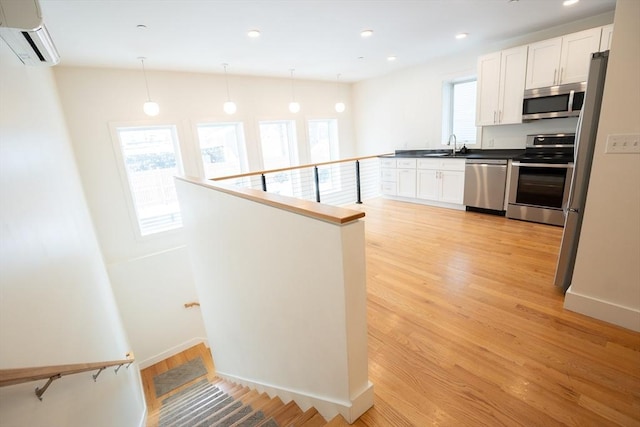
{"points": [[242, 151], [124, 178], [447, 109]]}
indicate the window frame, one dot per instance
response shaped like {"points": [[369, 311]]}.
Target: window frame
{"points": [[448, 88], [179, 150], [334, 151], [242, 149]]}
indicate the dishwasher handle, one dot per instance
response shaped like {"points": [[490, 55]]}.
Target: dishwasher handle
{"points": [[486, 162]]}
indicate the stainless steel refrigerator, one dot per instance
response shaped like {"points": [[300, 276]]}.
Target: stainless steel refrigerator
{"points": [[584, 147]]}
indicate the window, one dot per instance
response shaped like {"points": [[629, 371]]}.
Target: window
{"points": [[323, 142], [460, 111], [278, 143], [222, 149], [151, 159]]}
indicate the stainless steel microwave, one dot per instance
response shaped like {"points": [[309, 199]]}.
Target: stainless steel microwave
{"points": [[553, 101]]}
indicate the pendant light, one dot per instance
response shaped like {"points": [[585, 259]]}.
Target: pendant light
{"points": [[229, 107], [294, 107], [340, 107], [150, 108]]}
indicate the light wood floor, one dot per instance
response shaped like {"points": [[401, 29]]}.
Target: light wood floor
{"points": [[466, 328]]}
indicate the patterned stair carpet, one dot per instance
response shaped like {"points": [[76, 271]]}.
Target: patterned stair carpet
{"points": [[204, 404]]}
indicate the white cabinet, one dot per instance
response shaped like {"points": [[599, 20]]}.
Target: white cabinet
{"points": [[605, 38], [501, 77], [441, 180], [562, 60], [388, 176], [406, 177]]}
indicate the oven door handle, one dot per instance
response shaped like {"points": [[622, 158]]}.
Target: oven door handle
{"points": [[543, 165]]}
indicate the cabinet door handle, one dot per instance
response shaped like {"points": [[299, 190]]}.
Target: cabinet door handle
{"points": [[560, 77], [494, 117], [499, 116], [555, 72]]}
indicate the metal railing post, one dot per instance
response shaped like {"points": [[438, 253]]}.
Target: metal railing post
{"points": [[358, 190], [264, 183], [316, 179]]}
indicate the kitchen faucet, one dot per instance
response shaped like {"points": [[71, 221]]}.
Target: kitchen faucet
{"points": [[454, 143]]}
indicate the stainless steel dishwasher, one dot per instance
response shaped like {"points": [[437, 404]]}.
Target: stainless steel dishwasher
{"points": [[484, 184]]}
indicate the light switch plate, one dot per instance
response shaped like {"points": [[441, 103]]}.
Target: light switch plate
{"points": [[623, 144]]}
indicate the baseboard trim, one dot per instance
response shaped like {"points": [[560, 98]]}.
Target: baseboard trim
{"points": [[607, 311], [145, 413], [328, 408], [172, 351]]}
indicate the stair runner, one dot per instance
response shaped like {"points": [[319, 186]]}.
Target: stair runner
{"points": [[218, 403]]}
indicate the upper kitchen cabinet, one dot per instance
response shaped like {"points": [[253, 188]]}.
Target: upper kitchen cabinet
{"points": [[605, 39], [501, 80], [561, 60]]}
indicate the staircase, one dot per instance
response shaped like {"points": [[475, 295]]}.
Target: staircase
{"points": [[216, 402]]}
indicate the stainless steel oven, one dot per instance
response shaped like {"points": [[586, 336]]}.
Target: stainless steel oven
{"points": [[541, 179]]}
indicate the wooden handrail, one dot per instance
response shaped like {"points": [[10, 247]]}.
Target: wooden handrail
{"points": [[24, 375], [309, 165], [333, 214]]}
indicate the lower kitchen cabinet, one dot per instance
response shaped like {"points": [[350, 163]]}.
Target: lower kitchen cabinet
{"points": [[451, 186], [406, 183], [441, 180], [438, 182]]}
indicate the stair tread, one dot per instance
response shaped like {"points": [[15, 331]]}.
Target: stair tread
{"points": [[272, 406], [206, 405], [304, 417], [316, 421], [224, 406], [337, 421], [285, 414]]}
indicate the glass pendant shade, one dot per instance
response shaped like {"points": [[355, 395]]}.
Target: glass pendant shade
{"points": [[340, 107], [294, 107], [229, 107], [151, 108]]}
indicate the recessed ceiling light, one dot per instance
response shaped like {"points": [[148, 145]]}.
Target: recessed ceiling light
{"points": [[569, 2], [391, 58], [461, 36], [366, 33], [253, 34]]}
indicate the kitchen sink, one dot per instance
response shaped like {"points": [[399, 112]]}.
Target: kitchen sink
{"points": [[437, 155]]}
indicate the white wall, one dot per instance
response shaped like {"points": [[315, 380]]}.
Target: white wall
{"points": [[403, 110], [283, 298], [606, 280], [56, 303], [152, 277]]}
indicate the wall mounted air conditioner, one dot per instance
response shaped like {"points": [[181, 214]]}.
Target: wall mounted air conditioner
{"points": [[22, 28]]}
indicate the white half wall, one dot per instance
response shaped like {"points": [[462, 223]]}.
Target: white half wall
{"points": [[606, 278], [283, 299], [56, 302]]}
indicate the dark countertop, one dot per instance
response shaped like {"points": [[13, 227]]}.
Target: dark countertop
{"points": [[470, 154]]}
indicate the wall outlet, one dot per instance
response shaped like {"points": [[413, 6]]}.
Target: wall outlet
{"points": [[623, 144]]}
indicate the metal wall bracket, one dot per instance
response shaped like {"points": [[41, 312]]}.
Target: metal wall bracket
{"points": [[40, 391], [117, 369], [95, 376]]}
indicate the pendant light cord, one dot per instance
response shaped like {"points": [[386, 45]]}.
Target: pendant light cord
{"points": [[227, 81], [293, 96], [144, 73]]}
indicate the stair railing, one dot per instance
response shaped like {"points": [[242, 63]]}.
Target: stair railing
{"points": [[338, 182], [51, 373]]}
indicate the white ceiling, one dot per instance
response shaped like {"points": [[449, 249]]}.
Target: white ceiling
{"points": [[318, 38]]}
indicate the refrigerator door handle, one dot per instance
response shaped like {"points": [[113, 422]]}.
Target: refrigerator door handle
{"points": [[576, 210]]}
